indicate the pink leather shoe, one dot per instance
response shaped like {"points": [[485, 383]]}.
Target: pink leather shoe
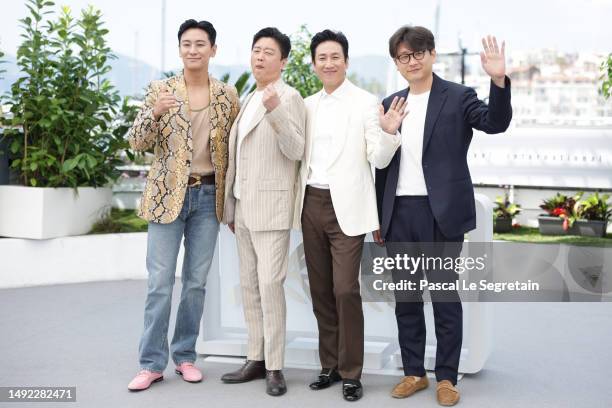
{"points": [[144, 379], [189, 372]]}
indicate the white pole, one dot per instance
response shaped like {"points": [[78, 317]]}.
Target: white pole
{"points": [[163, 37]]}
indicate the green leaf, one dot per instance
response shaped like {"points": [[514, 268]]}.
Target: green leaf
{"points": [[91, 162], [69, 165], [15, 146]]}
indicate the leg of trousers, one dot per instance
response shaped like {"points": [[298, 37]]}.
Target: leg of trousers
{"points": [[263, 257], [413, 221], [198, 223], [333, 261]]}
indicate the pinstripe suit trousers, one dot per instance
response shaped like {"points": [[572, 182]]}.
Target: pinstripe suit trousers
{"points": [[262, 256]]}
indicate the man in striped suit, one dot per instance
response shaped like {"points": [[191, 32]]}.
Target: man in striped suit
{"points": [[266, 144]]}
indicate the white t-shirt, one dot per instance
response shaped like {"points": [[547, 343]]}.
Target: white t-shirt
{"points": [[411, 179], [245, 120]]}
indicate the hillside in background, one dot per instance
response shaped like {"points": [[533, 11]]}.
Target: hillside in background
{"points": [[131, 76]]}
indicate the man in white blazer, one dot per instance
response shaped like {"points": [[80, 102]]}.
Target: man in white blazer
{"points": [[336, 205], [266, 143]]}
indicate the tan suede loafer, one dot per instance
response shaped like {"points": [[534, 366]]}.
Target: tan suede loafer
{"points": [[409, 385], [447, 393]]}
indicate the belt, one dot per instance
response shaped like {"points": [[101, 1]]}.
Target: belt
{"points": [[195, 180]]}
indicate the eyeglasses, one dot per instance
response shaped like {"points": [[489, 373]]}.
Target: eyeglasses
{"points": [[417, 55]]}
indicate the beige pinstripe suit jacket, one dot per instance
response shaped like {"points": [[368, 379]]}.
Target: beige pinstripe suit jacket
{"points": [[269, 154]]}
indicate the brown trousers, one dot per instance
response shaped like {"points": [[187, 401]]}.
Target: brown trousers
{"points": [[332, 260]]}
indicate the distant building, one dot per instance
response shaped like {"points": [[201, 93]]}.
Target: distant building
{"points": [[548, 86]]}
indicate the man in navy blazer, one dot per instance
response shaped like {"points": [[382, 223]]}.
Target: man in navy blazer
{"points": [[426, 193]]}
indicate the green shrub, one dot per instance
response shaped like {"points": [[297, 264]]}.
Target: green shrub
{"points": [[594, 207], [68, 121], [298, 73]]}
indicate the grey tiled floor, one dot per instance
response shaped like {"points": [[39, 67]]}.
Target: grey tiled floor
{"points": [[86, 335]]}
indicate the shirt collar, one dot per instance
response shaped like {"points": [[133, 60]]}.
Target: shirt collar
{"points": [[339, 93]]}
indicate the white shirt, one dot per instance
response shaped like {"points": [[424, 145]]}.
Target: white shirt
{"points": [[411, 179], [245, 120], [325, 126]]}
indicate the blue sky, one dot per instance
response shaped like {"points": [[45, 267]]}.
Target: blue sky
{"points": [[135, 28]]}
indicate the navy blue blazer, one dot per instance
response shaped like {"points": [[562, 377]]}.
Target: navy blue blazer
{"points": [[453, 110]]}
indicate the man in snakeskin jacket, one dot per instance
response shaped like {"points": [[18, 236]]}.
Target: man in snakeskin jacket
{"points": [[186, 120]]}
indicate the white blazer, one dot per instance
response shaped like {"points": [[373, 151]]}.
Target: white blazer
{"points": [[358, 141]]}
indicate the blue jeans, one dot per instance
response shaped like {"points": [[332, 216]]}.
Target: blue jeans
{"points": [[198, 223]]}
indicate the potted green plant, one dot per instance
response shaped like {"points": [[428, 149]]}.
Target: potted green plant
{"points": [[593, 214], [561, 215], [65, 128], [504, 213]]}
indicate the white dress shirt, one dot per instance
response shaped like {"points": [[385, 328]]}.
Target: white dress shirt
{"points": [[411, 178], [245, 120], [325, 125]]}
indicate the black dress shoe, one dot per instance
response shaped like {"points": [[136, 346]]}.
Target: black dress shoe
{"points": [[352, 390], [251, 370], [275, 383], [327, 377]]}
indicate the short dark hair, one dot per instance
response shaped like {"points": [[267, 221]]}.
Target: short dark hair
{"points": [[202, 25], [329, 35], [283, 41], [417, 38]]}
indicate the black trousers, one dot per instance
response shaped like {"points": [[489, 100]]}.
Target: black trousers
{"points": [[412, 221]]}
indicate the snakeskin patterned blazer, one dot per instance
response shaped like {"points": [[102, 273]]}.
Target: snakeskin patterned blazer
{"points": [[171, 140]]}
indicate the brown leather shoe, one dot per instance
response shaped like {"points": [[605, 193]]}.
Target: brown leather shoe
{"points": [[251, 370], [448, 394], [275, 383], [409, 385]]}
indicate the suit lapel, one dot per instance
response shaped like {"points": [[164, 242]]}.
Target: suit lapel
{"points": [[259, 114], [437, 98], [181, 114], [213, 112], [261, 110], [234, 130], [311, 108], [180, 90], [395, 161]]}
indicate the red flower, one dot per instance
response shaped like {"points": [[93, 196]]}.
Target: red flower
{"points": [[558, 212]]}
